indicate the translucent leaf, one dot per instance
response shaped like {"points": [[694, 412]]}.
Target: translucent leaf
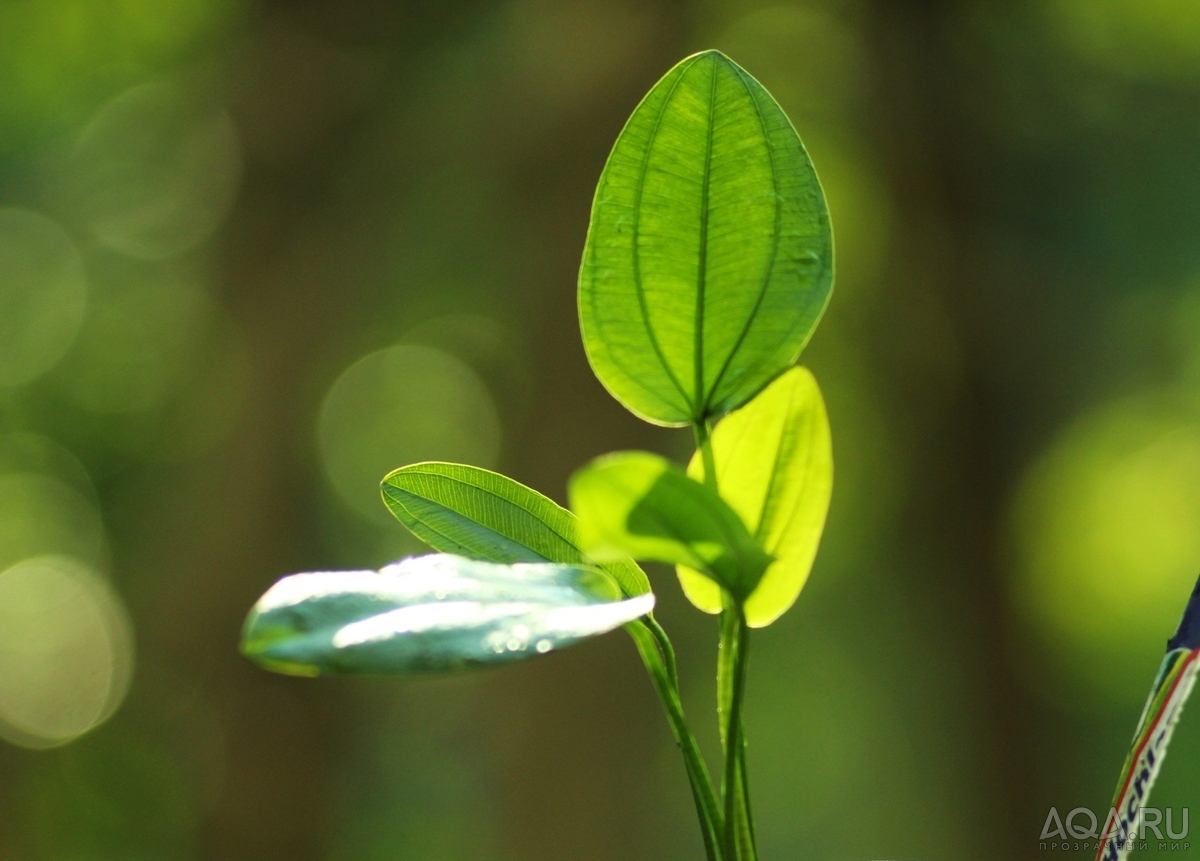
{"points": [[643, 505], [430, 614], [774, 464], [709, 258], [481, 514]]}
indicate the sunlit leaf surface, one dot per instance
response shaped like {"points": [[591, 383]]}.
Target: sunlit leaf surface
{"points": [[430, 614], [709, 258], [481, 514], [643, 505], [774, 462]]}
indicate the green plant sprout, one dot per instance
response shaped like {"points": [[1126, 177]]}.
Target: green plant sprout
{"points": [[708, 263]]}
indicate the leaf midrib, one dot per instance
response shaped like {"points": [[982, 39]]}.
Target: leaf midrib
{"points": [[700, 403]]}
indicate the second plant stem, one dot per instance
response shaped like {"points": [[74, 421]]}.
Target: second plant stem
{"points": [[732, 662]]}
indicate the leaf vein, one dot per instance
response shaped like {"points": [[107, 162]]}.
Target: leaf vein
{"points": [[639, 287], [766, 280], [454, 479]]}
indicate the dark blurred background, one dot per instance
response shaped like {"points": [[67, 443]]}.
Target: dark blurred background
{"points": [[255, 254]]}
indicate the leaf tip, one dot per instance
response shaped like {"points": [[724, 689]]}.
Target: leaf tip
{"points": [[263, 649], [711, 54]]}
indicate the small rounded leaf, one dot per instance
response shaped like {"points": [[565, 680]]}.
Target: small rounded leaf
{"points": [[643, 505], [709, 258]]}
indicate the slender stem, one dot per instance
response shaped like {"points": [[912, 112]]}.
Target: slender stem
{"points": [[732, 665], [659, 657], [704, 446], [726, 664], [664, 646], [744, 789]]}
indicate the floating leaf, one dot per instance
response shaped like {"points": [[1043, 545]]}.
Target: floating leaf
{"points": [[481, 514], [774, 462], [709, 258], [430, 614], [643, 505]]}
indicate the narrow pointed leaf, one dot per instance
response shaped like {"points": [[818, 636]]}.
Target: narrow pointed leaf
{"points": [[481, 514], [430, 614], [774, 460], [640, 504], [709, 258]]}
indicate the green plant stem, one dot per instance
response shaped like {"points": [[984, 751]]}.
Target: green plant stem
{"points": [[665, 647], [732, 657], [747, 813], [659, 657], [704, 446], [732, 663]]}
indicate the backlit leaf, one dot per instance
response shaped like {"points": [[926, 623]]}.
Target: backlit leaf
{"points": [[430, 614], [481, 514], [640, 504], [774, 464], [709, 258]]}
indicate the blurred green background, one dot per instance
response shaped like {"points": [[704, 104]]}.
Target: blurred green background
{"points": [[255, 254]]}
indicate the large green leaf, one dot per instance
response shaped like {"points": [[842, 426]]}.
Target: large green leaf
{"points": [[430, 614], [640, 504], [709, 258], [774, 462], [481, 514]]}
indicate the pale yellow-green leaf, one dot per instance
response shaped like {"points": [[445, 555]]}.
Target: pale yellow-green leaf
{"points": [[774, 462]]}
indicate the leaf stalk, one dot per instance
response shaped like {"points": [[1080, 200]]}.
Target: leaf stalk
{"points": [[659, 657], [703, 436]]}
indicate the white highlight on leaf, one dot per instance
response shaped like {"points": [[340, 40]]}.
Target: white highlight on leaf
{"points": [[432, 612]]}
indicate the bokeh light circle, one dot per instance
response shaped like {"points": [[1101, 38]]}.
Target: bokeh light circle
{"points": [[401, 405], [66, 651], [43, 295], [155, 172], [41, 514], [23, 451], [1107, 532]]}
